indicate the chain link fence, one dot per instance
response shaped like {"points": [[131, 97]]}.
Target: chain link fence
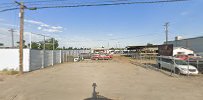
{"points": [[170, 66]]}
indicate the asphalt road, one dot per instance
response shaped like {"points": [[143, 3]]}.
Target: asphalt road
{"points": [[117, 79]]}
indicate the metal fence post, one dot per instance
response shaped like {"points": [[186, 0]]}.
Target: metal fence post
{"points": [[172, 69], [188, 67], [30, 51], [161, 62], [43, 56], [60, 57], [197, 64], [30, 40], [66, 57], [53, 53], [63, 57]]}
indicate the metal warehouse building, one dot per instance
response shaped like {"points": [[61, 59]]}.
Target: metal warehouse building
{"points": [[195, 44]]}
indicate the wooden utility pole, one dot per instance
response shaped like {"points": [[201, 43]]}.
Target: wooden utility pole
{"points": [[22, 7], [166, 31], [12, 38]]}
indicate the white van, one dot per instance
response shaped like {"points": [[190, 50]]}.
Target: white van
{"points": [[180, 66]]}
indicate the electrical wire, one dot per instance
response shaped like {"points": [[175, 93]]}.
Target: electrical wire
{"points": [[100, 4], [68, 2], [108, 4]]}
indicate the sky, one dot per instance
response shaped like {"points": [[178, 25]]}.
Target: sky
{"points": [[108, 26]]}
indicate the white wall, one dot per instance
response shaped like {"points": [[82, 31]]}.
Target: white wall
{"points": [[9, 59], [35, 59]]}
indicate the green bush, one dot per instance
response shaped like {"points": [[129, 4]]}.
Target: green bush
{"points": [[9, 72]]}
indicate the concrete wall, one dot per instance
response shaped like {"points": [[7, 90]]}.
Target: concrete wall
{"points": [[9, 59], [36, 59]]}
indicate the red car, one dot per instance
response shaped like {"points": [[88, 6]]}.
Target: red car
{"points": [[182, 57], [101, 57]]}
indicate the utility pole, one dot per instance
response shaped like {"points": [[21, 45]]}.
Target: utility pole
{"points": [[166, 31], [21, 15], [22, 7], [12, 39]]}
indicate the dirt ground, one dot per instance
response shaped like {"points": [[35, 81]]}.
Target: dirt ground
{"points": [[117, 79]]}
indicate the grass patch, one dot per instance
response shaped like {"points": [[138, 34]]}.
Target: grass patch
{"points": [[9, 72]]}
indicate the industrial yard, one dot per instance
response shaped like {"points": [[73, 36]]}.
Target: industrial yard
{"points": [[116, 79], [101, 50]]}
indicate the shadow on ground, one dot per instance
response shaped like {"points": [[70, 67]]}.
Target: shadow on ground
{"points": [[96, 96]]}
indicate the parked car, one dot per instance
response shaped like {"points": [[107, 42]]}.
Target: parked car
{"points": [[182, 57], [180, 66], [101, 56], [85, 55], [194, 56]]}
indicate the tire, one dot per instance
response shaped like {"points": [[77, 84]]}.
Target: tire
{"points": [[177, 71], [159, 65]]}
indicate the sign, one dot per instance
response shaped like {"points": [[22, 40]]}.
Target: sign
{"points": [[165, 50]]}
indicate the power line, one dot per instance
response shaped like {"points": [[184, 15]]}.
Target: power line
{"points": [[99, 4], [110, 4], [44, 1], [68, 2]]}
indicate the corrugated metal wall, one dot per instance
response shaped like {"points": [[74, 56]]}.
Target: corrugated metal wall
{"points": [[41, 59], [195, 44]]}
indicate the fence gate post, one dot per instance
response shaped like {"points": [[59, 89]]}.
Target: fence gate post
{"points": [[197, 64], [60, 57], [43, 56], [53, 53], [188, 67]]}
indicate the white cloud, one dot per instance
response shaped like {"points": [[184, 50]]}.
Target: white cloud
{"points": [[45, 27], [109, 34], [39, 28], [57, 27], [34, 22], [9, 25], [52, 30], [184, 13]]}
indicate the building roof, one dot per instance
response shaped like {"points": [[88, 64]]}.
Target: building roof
{"points": [[187, 39], [141, 47]]}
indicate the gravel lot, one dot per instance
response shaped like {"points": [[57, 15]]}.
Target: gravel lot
{"points": [[117, 79]]}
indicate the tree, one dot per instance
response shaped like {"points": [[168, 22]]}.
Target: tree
{"points": [[1, 44], [112, 48], [35, 45], [70, 48], [149, 44], [24, 46], [49, 44]]}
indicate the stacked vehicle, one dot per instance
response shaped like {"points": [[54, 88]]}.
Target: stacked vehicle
{"points": [[101, 56]]}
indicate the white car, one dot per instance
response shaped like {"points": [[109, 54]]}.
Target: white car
{"points": [[177, 65]]}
